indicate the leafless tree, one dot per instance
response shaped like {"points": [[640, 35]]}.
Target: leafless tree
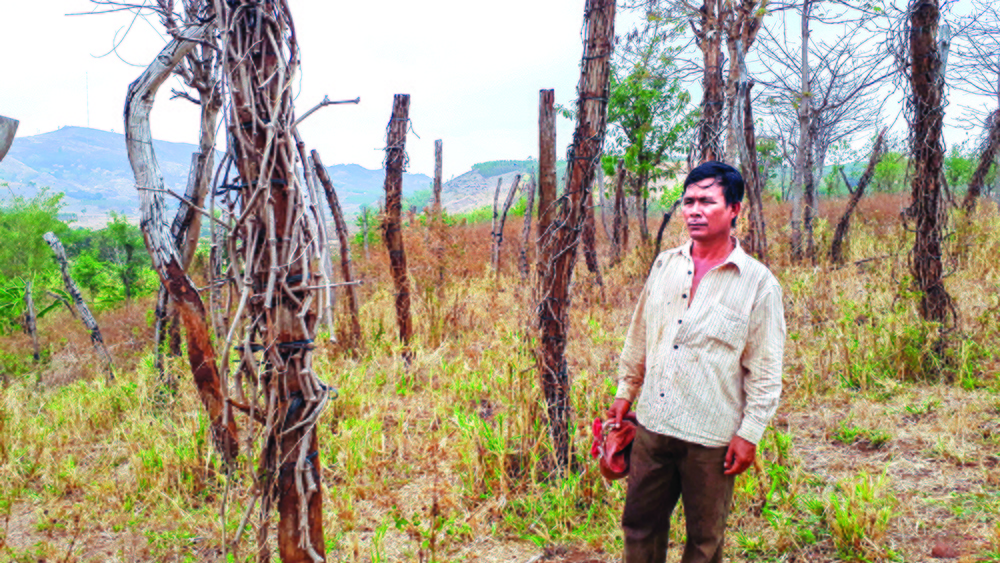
{"points": [[826, 93], [975, 69]]}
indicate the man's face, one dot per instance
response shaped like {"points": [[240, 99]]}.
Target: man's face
{"points": [[706, 214]]}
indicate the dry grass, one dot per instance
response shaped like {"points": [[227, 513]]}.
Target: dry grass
{"points": [[879, 449]]}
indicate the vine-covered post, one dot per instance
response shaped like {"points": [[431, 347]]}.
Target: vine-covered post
{"points": [[927, 119]]}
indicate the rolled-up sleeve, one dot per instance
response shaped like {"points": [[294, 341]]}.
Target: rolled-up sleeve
{"points": [[632, 363], [762, 361]]}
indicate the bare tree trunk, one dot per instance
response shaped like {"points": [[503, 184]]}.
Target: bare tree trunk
{"points": [[639, 188], [986, 158], [620, 237], [160, 243], [81, 307], [928, 157], [663, 227], [526, 232], [559, 254], [395, 157], [710, 129], [345, 248], [757, 230], [498, 240], [29, 321], [802, 205], [186, 226], [836, 248]]}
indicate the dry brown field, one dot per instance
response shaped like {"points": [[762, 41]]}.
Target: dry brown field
{"points": [[880, 451]]}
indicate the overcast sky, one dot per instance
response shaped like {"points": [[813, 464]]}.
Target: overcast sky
{"points": [[473, 71]]}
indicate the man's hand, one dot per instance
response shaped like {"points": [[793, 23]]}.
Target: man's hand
{"points": [[739, 456], [618, 410]]}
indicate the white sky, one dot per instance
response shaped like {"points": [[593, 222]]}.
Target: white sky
{"points": [[473, 71]]}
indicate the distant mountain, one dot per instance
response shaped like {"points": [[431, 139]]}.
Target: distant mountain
{"points": [[477, 187], [358, 186], [91, 167]]}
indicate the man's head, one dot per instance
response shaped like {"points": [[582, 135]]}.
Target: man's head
{"points": [[713, 193]]}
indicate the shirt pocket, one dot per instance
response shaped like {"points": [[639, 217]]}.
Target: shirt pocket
{"points": [[728, 328]]}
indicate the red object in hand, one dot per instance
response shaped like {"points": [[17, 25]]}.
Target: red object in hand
{"points": [[613, 445]]}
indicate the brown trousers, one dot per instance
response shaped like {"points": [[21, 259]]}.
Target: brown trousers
{"points": [[662, 470]]}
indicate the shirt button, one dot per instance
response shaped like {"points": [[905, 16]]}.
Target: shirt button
{"points": [[685, 296], [661, 394], [689, 272], [676, 346], [679, 321]]}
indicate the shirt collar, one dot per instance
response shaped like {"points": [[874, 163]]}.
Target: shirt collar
{"points": [[737, 257]]}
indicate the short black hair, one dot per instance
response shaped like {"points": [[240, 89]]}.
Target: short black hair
{"points": [[731, 181]]}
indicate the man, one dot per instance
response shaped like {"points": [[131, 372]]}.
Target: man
{"points": [[703, 355]]}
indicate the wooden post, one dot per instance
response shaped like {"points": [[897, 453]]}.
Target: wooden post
{"points": [[437, 176], [81, 307], [437, 221], [546, 172], [526, 232], [29, 320], [494, 258], [498, 239], [395, 157], [345, 247], [560, 248]]}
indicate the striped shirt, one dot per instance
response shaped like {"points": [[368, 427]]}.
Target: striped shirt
{"points": [[710, 370]]}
